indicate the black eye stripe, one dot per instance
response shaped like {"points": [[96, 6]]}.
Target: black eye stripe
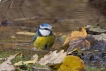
{"points": [[45, 29]]}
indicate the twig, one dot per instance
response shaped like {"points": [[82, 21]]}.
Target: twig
{"points": [[6, 11]]}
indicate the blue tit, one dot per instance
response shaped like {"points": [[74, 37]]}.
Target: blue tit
{"points": [[44, 37]]}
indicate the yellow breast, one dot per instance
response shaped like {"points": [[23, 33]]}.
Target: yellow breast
{"points": [[41, 41]]}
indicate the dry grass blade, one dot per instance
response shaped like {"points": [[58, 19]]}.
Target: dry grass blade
{"points": [[25, 33], [33, 61]]}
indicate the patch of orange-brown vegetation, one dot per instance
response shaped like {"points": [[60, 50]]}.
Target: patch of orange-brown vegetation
{"points": [[75, 35]]}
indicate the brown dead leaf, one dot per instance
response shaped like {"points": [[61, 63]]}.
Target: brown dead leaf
{"points": [[76, 40], [75, 35], [52, 58], [80, 44], [7, 65]]}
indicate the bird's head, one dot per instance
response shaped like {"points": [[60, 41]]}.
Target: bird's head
{"points": [[45, 29]]}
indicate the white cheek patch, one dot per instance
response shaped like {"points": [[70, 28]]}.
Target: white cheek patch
{"points": [[49, 27], [44, 32]]}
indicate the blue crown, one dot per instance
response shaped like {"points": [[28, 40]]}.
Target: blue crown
{"points": [[45, 25]]}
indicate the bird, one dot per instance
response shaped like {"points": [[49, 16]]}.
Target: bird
{"points": [[44, 37]]}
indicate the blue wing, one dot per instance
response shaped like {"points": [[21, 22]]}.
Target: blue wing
{"points": [[35, 36]]}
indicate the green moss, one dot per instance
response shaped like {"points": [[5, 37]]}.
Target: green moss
{"points": [[93, 69], [4, 54], [38, 65], [24, 55], [1, 61], [5, 40]]}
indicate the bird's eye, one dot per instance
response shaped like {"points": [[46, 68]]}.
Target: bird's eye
{"points": [[46, 28]]}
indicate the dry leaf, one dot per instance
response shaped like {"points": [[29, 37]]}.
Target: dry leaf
{"points": [[72, 63], [12, 37], [81, 44], [7, 65], [76, 40], [75, 35], [53, 58]]}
